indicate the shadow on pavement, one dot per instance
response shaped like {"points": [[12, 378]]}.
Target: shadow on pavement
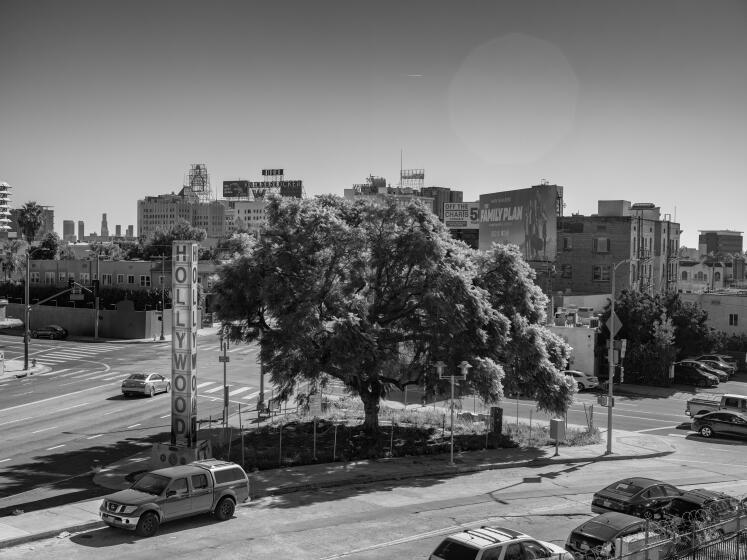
{"points": [[64, 477]]}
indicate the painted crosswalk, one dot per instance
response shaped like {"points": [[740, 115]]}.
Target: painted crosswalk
{"points": [[74, 352]]}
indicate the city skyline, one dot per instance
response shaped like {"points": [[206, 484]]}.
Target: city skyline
{"points": [[612, 101]]}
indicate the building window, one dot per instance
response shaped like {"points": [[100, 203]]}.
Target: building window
{"points": [[131, 279], [35, 277], [717, 276], [733, 319], [144, 280], [49, 277], [62, 277], [85, 278], [106, 279], [684, 274], [600, 273], [601, 245], [567, 244], [120, 278], [566, 271]]}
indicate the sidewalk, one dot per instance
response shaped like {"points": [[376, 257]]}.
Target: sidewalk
{"points": [[80, 516]]}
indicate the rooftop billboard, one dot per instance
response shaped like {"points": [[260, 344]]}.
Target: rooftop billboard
{"points": [[524, 217]]}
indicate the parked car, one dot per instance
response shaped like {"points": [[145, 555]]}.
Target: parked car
{"points": [[712, 402], [718, 372], [496, 543], [52, 332], [725, 358], [598, 537], [692, 375], [642, 497], [720, 423], [723, 365], [207, 486], [583, 380], [705, 509], [145, 384]]}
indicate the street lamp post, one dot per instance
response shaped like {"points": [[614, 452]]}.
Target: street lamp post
{"points": [[27, 309], [611, 359], [463, 367], [96, 295], [163, 287]]}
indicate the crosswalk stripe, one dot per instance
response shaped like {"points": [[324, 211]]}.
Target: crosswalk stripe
{"points": [[250, 396], [205, 384], [90, 374], [214, 389], [113, 377], [238, 391]]}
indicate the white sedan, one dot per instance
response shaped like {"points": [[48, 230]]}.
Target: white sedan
{"points": [[145, 384]]}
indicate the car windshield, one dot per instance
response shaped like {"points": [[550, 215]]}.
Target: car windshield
{"points": [[624, 487], [151, 484], [453, 550]]}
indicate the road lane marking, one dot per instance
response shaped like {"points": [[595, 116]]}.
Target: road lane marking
{"points": [[44, 430], [55, 447], [3, 460], [165, 416], [16, 420], [94, 437], [70, 407], [133, 426], [238, 391], [112, 411], [251, 395], [73, 373], [214, 389], [205, 384], [52, 398], [654, 429]]}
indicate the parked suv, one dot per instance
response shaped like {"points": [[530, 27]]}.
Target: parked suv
{"points": [[207, 486], [706, 510], [602, 536], [693, 375], [496, 543]]}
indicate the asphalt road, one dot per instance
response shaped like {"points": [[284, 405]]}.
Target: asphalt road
{"points": [[59, 425], [402, 519]]}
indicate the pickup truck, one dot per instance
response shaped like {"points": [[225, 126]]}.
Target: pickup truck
{"points": [[712, 402], [207, 486]]}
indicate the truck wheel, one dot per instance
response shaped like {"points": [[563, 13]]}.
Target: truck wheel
{"points": [[706, 431], [225, 509], [148, 524]]}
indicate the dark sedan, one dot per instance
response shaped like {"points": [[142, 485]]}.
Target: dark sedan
{"points": [[51, 332], [721, 374], [720, 423], [638, 496], [693, 375]]}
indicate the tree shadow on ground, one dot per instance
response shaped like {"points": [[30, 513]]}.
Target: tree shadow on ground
{"points": [[59, 478]]}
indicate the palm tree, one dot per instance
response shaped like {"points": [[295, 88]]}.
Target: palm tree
{"points": [[30, 220]]}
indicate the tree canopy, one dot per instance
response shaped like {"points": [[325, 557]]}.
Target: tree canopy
{"points": [[370, 294], [160, 243], [30, 220]]}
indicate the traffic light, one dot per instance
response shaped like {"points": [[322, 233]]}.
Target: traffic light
{"points": [[70, 283], [95, 288]]}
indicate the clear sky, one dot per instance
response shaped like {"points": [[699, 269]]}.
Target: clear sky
{"points": [[103, 103]]}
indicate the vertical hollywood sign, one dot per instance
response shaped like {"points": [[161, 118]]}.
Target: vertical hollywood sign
{"points": [[184, 344]]}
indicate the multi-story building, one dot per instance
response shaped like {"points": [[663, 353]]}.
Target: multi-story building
{"points": [[130, 231], [4, 207], [727, 309], [440, 196], [719, 242], [81, 230], [245, 214], [104, 226], [376, 189], [634, 239], [164, 211], [68, 231]]}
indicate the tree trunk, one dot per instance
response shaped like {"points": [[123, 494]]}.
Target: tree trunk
{"points": [[371, 410]]}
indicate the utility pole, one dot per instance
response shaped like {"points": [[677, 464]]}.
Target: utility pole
{"points": [[261, 399], [225, 359], [611, 359], [96, 299], [27, 313]]}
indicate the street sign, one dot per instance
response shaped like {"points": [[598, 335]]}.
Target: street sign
{"points": [[618, 325], [458, 377], [224, 358], [606, 400]]}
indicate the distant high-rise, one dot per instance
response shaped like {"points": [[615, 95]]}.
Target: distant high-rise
{"points": [[81, 230], [68, 231], [104, 226], [118, 230], [4, 206], [130, 231]]}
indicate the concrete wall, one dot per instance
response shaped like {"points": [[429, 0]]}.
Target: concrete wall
{"points": [[583, 341], [719, 307], [123, 322]]}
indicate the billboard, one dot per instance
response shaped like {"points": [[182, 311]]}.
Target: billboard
{"points": [[462, 215], [272, 172], [235, 189], [524, 217]]}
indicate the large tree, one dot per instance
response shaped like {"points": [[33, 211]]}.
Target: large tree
{"points": [[160, 243], [371, 294], [48, 247], [30, 220], [11, 260], [534, 357]]}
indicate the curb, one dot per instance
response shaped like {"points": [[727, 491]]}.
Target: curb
{"points": [[15, 541]]}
